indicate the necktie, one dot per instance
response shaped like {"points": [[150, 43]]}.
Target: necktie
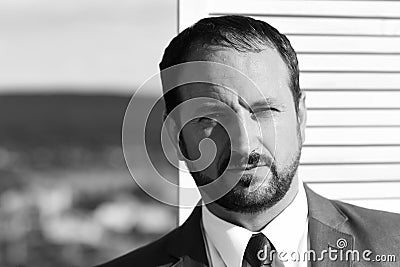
{"points": [[258, 251]]}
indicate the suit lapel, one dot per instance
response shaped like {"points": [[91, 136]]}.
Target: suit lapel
{"points": [[189, 246], [326, 232]]}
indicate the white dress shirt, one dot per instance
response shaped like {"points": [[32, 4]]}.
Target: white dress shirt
{"points": [[288, 232]]}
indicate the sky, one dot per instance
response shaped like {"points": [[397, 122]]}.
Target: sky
{"points": [[89, 46]]}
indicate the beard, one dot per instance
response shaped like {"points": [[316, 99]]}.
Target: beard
{"points": [[240, 199], [243, 200]]}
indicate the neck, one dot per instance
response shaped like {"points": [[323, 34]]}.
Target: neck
{"points": [[256, 221]]}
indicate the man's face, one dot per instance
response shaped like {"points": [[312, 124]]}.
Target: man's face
{"points": [[254, 127]]}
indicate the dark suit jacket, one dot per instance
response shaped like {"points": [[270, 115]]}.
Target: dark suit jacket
{"points": [[329, 221]]}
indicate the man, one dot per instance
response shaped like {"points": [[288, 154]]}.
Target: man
{"points": [[261, 214]]}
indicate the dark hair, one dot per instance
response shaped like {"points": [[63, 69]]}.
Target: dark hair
{"points": [[241, 33]]}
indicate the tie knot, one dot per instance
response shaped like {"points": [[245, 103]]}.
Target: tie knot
{"points": [[258, 251]]}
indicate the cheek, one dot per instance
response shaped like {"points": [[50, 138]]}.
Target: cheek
{"points": [[193, 135], [190, 143], [281, 138], [212, 162], [287, 139], [269, 136]]}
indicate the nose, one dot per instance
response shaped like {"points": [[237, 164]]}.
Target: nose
{"points": [[245, 134]]}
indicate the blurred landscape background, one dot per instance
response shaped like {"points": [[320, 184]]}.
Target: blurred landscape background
{"points": [[67, 72]]}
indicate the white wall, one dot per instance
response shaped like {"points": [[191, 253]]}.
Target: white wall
{"points": [[349, 57]]}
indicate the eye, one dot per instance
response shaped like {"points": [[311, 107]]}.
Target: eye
{"points": [[264, 112]]}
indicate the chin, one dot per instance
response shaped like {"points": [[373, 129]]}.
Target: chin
{"points": [[255, 194]]}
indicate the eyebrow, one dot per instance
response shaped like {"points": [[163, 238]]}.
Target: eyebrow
{"points": [[265, 102]]}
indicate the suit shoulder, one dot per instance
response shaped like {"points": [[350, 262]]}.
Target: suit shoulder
{"points": [[367, 214], [152, 254], [382, 223]]}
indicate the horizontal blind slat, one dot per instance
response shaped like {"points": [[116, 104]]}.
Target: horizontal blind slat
{"points": [[345, 44], [349, 62], [337, 155], [349, 81], [343, 99], [290, 25], [346, 173], [379, 9], [353, 117], [352, 136]]}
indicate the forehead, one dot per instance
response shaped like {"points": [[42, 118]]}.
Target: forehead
{"points": [[250, 76]]}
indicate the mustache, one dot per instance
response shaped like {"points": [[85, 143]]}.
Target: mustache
{"points": [[254, 159], [240, 161]]}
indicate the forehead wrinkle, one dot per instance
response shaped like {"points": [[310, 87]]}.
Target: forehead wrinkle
{"points": [[267, 101], [224, 96]]}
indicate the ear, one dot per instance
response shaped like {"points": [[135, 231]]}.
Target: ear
{"points": [[173, 134], [302, 116]]}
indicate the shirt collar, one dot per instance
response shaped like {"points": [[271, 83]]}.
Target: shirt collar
{"points": [[231, 240]]}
